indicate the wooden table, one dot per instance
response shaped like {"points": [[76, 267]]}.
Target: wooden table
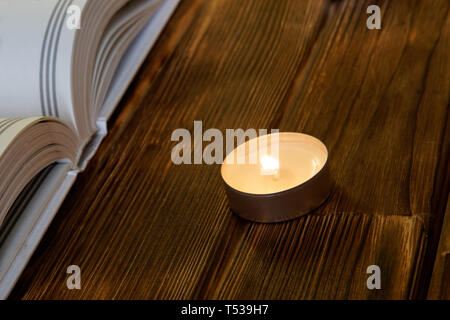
{"points": [[141, 227]]}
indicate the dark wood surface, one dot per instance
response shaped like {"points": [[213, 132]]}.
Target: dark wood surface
{"points": [[141, 227], [440, 283]]}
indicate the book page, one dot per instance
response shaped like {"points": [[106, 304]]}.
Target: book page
{"points": [[23, 29], [10, 129]]}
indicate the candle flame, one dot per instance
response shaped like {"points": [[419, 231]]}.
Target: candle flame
{"points": [[269, 165]]}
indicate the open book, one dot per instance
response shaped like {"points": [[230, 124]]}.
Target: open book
{"points": [[58, 86]]}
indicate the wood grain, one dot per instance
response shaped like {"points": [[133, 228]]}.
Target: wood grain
{"points": [[141, 227], [440, 282]]}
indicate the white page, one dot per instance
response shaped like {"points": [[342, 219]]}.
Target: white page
{"points": [[23, 27]]}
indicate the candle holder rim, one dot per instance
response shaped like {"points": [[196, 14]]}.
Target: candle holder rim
{"points": [[294, 188]]}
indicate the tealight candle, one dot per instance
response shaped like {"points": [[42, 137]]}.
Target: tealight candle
{"points": [[277, 177]]}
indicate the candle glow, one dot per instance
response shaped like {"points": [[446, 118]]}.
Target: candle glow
{"points": [[269, 165]]}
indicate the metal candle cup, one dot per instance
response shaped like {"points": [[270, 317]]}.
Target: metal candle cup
{"points": [[277, 188]]}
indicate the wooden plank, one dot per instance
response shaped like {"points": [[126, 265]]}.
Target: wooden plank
{"points": [[380, 101], [141, 227], [317, 257], [440, 282]]}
